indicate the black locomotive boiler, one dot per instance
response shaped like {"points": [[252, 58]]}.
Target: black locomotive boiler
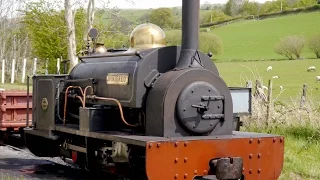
{"points": [[151, 112]]}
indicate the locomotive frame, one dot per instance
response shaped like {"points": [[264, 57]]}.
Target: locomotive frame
{"points": [[165, 149]]}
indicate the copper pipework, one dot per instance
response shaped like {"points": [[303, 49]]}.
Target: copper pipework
{"points": [[84, 95], [119, 105], [66, 99]]}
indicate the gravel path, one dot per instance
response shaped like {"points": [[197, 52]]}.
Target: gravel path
{"points": [[21, 164]]}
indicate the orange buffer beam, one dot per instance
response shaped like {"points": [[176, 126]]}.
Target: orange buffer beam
{"points": [[262, 157]]}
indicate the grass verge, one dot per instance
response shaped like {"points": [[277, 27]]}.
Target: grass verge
{"points": [[300, 125], [15, 86]]}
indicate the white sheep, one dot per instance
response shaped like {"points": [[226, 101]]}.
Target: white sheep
{"points": [[281, 88], [318, 78], [275, 77], [311, 68], [269, 68], [264, 87]]}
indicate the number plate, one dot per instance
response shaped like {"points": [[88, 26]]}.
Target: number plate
{"points": [[118, 78]]}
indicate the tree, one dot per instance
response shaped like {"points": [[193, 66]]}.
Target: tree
{"points": [[163, 17], [290, 46], [144, 18], [90, 17], [206, 6], [272, 6], [13, 36], [233, 7], [250, 8], [71, 34], [47, 31], [314, 45], [214, 15]]}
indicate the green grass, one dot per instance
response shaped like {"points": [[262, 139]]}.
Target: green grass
{"points": [[301, 159], [255, 39], [15, 86], [293, 74], [301, 151]]}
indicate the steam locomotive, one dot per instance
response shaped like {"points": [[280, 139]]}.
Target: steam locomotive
{"points": [[151, 112]]}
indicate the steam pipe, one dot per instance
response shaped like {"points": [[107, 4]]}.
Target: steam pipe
{"points": [[189, 56]]}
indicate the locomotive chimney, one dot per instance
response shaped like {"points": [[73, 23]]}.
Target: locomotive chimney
{"points": [[189, 56]]}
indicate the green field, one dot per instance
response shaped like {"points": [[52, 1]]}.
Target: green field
{"points": [[255, 39], [301, 152], [15, 86], [301, 159], [293, 74]]}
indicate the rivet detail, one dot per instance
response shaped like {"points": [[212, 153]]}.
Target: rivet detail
{"points": [[185, 175]]}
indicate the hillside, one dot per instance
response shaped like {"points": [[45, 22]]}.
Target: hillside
{"points": [[255, 39], [133, 15]]}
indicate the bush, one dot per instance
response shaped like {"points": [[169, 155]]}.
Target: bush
{"points": [[290, 46], [214, 16], [314, 45], [208, 42]]}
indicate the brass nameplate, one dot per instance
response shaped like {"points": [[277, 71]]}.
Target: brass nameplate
{"points": [[118, 78], [44, 104]]}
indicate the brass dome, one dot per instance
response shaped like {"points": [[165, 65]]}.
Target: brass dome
{"points": [[100, 48], [146, 36]]}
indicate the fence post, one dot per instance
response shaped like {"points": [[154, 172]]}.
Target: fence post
{"points": [[249, 84], [34, 66], [3, 70], [47, 66], [303, 96], [269, 100], [24, 70], [13, 70], [258, 85], [58, 66]]}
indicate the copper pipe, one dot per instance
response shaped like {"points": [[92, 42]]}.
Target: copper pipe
{"points": [[65, 105], [84, 95], [120, 108], [79, 89], [66, 99], [80, 99]]}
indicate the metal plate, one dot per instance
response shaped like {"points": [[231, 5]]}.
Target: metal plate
{"points": [[118, 78], [241, 98], [262, 157]]}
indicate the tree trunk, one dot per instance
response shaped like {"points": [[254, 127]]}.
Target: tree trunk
{"points": [[69, 16], [90, 17]]}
